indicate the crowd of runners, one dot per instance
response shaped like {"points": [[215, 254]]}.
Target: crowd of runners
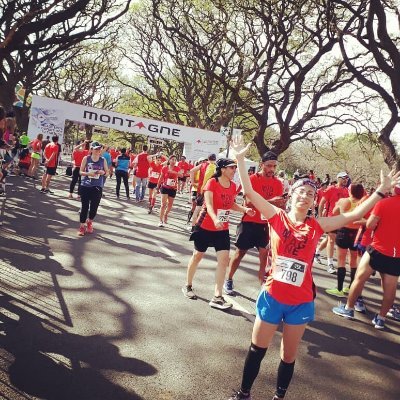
{"points": [[289, 221]]}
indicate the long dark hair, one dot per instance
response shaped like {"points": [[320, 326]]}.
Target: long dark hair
{"points": [[218, 173]]}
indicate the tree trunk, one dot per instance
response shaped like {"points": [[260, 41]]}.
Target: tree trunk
{"points": [[389, 152]]}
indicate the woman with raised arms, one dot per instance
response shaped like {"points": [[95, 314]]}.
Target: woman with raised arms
{"points": [[289, 291]]}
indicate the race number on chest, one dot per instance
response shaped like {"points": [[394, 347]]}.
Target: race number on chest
{"points": [[289, 270]]}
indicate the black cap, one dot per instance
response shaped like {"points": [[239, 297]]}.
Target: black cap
{"points": [[269, 155], [225, 162]]}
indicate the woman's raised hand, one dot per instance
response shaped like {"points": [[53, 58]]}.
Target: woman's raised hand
{"points": [[238, 147], [389, 181]]}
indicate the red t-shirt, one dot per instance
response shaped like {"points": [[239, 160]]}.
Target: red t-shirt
{"points": [[320, 195], [49, 150], [78, 156], [155, 172], [290, 279], [267, 188], [36, 146], [223, 200], [183, 165], [387, 234], [114, 154], [142, 169], [332, 195], [169, 178]]}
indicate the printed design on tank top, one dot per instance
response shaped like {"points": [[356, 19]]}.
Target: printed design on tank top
{"points": [[290, 270]]}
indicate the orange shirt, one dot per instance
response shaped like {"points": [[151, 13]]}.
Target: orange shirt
{"points": [[223, 200], [51, 151], [155, 172], [387, 234], [332, 194], [267, 188], [290, 279], [169, 178]]}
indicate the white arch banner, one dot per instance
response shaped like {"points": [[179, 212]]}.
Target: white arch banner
{"points": [[48, 116]]}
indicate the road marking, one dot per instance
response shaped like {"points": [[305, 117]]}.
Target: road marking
{"points": [[238, 307], [167, 251]]}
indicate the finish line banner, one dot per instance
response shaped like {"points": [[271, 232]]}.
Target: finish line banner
{"points": [[48, 116]]}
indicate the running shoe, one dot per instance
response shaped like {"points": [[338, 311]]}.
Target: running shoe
{"points": [[42, 190], [160, 224], [359, 305], [394, 313], [220, 303], [343, 312], [228, 286], [317, 258], [89, 225], [150, 210], [335, 292], [378, 322], [239, 395], [346, 290], [331, 269], [81, 231], [187, 291]]}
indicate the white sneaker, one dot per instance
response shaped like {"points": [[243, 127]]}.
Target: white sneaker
{"points": [[331, 269], [160, 224]]}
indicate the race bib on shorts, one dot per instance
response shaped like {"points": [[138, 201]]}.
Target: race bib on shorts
{"points": [[155, 175], [289, 270], [223, 215], [171, 182]]}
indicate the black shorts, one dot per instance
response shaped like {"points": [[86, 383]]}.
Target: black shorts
{"points": [[194, 195], [384, 264], [203, 239], [113, 164], [151, 185], [51, 170], [182, 179], [200, 200], [251, 234], [168, 191], [345, 238]]}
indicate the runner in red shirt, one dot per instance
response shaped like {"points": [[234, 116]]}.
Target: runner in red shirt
{"points": [[289, 291], [168, 184], [154, 176], [142, 164], [51, 156], [331, 195], [253, 230], [36, 146], [80, 150], [114, 153], [212, 228], [184, 166], [383, 255]]}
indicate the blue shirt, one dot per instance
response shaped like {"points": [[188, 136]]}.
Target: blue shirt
{"points": [[107, 156], [123, 163]]}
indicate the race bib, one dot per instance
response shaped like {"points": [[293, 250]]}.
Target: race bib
{"points": [[223, 215], [154, 175], [289, 270], [171, 182]]}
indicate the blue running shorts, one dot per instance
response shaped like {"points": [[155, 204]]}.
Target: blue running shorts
{"points": [[272, 311]]}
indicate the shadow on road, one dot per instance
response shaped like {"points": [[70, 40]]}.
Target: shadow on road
{"points": [[50, 363]]}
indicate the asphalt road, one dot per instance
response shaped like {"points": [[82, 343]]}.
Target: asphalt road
{"points": [[103, 316]]}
